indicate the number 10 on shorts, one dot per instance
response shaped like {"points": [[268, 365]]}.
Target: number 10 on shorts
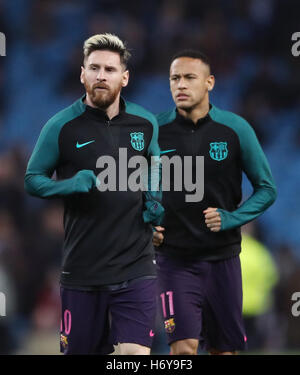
{"points": [[164, 297]]}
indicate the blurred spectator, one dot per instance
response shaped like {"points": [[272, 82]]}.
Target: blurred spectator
{"points": [[260, 275], [7, 282], [12, 196], [289, 284]]}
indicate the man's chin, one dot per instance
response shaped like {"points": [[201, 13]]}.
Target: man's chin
{"points": [[102, 101], [184, 106]]}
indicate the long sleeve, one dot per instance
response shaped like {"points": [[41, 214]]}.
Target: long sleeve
{"points": [[153, 195], [257, 169], [154, 211], [45, 157], [42, 164]]}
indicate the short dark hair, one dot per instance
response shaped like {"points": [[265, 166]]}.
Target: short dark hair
{"points": [[194, 54]]}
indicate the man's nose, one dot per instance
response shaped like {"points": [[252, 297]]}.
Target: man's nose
{"points": [[101, 76], [181, 83]]}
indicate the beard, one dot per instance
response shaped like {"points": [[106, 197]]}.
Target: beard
{"points": [[102, 99]]}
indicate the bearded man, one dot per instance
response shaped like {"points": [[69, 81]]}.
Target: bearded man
{"points": [[108, 277]]}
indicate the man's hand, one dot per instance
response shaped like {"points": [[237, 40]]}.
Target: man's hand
{"points": [[158, 236], [84, 181], [212, 219]]}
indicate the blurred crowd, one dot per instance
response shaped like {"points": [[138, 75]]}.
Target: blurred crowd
{"points": [[249, 45]]}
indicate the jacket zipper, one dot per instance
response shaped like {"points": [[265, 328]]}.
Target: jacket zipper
{"points": [[114, 145]]}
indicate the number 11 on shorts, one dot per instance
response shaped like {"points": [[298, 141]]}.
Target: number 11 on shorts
{"points": [[169, 294]]}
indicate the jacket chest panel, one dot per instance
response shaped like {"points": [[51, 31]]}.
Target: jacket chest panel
{"points": [[217, 144], [81, 146]]}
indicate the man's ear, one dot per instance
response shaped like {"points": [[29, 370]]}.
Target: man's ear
{"points": [[210, 82], [125, 78], [82, 75]]}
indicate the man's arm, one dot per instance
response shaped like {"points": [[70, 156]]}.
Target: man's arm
{"points": [[152, 179], [257, 169], [154, 212], [42, 164]]}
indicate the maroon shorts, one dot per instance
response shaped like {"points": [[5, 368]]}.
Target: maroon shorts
{"points": [[202, 300], [92, 322]]}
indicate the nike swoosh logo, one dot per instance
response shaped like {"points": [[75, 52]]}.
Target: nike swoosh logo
{"points": [[166, 151], [83, 144]]}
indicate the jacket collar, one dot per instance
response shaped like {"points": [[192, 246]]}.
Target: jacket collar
{"points": [[200, 121]]}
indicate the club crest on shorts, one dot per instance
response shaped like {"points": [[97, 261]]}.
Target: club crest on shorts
{"points": [[64, 341], [218, 150], [137, 141], [170, 325]]}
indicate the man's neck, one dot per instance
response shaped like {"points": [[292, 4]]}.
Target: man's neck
{"points": [[196, 113], [111, 111]]}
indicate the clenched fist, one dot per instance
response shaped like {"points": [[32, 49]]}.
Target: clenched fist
{"points": [[158, 236], [212, 219]]}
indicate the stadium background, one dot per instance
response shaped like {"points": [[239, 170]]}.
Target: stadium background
{"points": [[249, 43]]}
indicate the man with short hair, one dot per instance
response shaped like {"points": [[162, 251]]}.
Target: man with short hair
{"points": [[198, 244], [108, 279]]}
